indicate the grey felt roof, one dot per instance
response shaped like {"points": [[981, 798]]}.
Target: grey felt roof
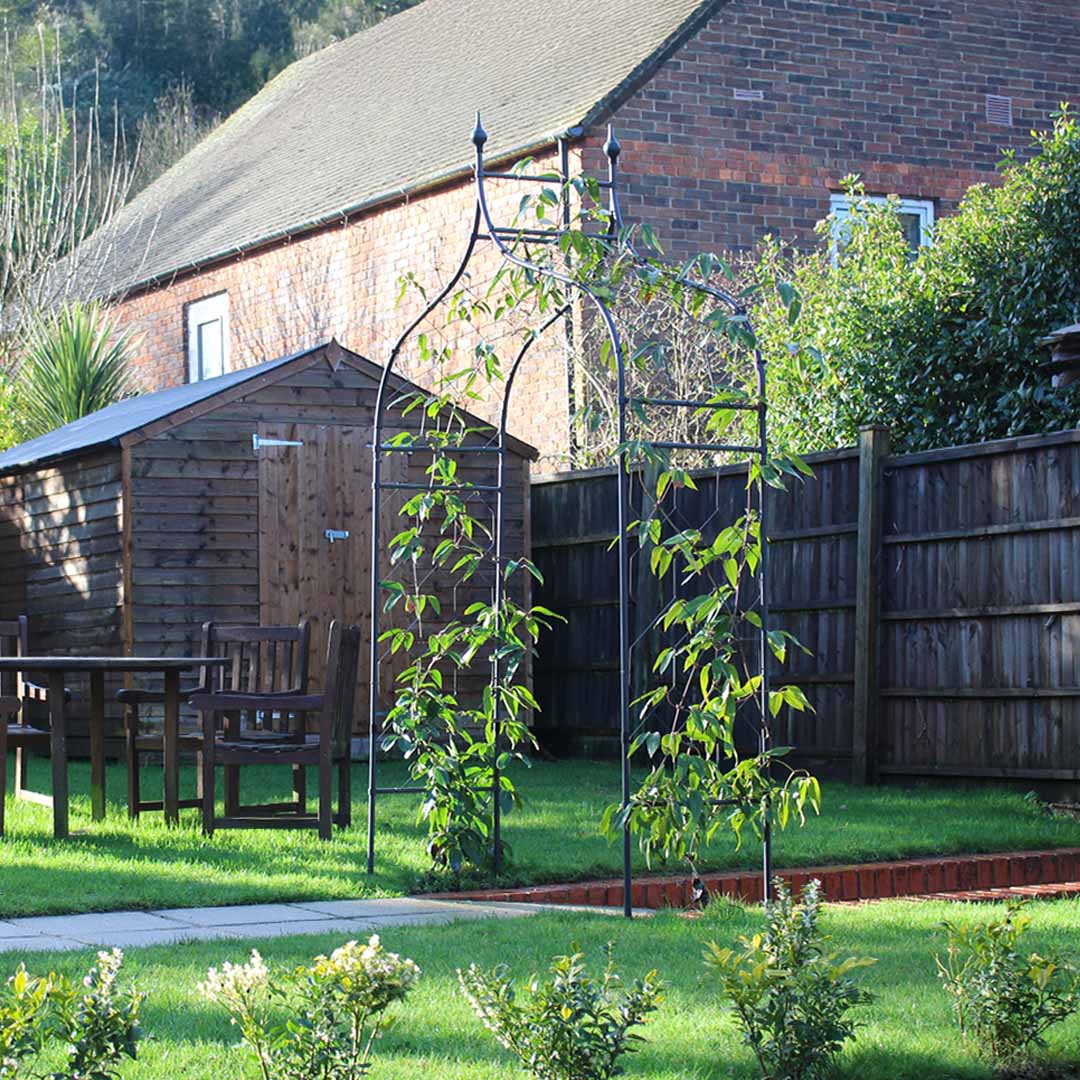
{"points": [[387, 111], [114, 421]]}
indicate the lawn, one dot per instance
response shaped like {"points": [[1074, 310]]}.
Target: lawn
{"points": [[907, 1032], [115, 864]]}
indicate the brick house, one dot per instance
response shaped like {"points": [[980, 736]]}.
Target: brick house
{"points": [[294, 221]]}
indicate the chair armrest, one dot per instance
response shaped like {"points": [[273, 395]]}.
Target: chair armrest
{"points": [[34, 692], [135, 696], [214, 701]]}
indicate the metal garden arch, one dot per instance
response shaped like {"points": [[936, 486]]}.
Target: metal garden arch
{"points": [[485, 229]]}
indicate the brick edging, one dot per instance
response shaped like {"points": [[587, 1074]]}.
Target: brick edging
{"points": [[858, 881]]}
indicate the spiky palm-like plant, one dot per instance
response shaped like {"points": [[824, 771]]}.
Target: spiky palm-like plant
{"points": [[76, 362]]}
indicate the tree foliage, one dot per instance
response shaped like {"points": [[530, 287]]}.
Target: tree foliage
{"points": [[224, 51], [942, 347]]}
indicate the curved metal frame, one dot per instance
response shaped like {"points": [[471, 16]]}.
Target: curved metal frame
{"points": [[485, 228]]}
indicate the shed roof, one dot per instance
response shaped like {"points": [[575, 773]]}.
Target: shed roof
{"points": [[108, 426], [386, 112]]}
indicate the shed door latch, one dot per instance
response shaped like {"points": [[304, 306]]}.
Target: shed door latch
{"points": [[336, 534], [257, 442]]}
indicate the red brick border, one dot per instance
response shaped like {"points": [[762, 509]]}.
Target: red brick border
{"points": [[956, 876]]}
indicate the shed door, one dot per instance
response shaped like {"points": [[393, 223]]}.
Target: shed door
{"points": [[309, 493]]}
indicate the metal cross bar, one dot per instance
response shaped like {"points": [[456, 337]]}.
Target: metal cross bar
{"points": [[408, 448], [680, 403], [408, 485], [719, 447]]}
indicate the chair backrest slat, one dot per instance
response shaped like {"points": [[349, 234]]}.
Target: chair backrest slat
{"points": [[263, 659], [342, 661], [14, 641]]}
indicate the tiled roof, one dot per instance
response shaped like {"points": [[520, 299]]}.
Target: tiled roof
{"points": [[387, 111]]}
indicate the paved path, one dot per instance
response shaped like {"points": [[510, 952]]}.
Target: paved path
{"points": [[346, 917]]}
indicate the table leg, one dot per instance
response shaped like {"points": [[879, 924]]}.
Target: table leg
{"points": [[58, 747], [97, 745], [172, 747]]}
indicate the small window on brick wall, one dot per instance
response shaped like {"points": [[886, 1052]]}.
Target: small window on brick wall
{"points": [[208, 337], [916, 219]]}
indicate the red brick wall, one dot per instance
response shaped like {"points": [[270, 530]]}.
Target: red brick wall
{"points": [[344, 282], [891, 89]]}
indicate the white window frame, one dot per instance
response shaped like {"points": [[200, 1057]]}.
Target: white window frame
{"points": [[199, 313], [840, 207]]}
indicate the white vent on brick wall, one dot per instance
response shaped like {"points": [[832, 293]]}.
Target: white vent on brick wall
{"points": [[749, 95], [999, 110]]}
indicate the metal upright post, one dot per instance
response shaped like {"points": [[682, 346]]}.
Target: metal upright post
{"points": [[765, 740], [479, 138], [373, 656], [611, 150]]}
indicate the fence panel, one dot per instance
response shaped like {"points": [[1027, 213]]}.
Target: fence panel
{"points": [[975, 611]]}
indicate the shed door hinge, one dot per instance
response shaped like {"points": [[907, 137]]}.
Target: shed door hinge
{"points": [[257, 441], [336, 534]]}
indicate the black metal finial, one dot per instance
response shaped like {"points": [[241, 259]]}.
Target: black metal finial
{"points": [[612, 146], [479, 135]]}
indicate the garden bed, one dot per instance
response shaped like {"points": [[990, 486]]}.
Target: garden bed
{"points": [[119, 864], [908, 1031]]}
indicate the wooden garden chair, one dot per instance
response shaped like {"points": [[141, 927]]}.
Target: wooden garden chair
{"points": [[263, 660], [28, 702], [327, 750]]}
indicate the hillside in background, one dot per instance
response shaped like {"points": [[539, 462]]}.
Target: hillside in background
{"points": [[171, 69]]}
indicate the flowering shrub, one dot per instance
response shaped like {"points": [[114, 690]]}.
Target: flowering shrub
{"points": [[571, 1027], [334, 1010], [98, 1023], [789, 995], [1003, 999]]}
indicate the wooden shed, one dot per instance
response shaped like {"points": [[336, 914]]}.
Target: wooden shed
{"points": [[243, 499]]}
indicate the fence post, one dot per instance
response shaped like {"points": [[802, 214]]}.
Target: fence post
{"points": [[873, 447]]}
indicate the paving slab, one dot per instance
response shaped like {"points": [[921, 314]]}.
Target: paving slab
{"points": [[382, 908], [10, 930], [132, 939], [237, 915], [93, 924], [37, 943]]}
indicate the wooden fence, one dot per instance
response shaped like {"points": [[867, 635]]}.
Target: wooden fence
{"points": [[938, 593]]}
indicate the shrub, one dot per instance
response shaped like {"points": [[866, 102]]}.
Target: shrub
{"points": [[790, 996], [318, 1021], [570, 1027], [22, 1013], [97, 1023], [75, 363], [942, 347], [1004, 1000]]}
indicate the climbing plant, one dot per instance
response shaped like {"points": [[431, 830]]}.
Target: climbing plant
{"points": [[701, 776], [458, 749]]}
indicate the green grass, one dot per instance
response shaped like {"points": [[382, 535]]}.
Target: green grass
{"points": [[907, 1032], [115, 864]]}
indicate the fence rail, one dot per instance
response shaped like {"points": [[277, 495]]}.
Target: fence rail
{"points": [[938, 593]]}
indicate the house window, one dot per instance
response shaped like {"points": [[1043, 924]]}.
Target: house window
{"points": [[208, 337], [916, 219]]}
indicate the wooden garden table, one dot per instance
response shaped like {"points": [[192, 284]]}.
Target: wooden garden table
{"points": [[97, 667]]}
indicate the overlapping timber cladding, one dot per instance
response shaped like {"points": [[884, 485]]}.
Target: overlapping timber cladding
{"points": [[241, 499]]}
